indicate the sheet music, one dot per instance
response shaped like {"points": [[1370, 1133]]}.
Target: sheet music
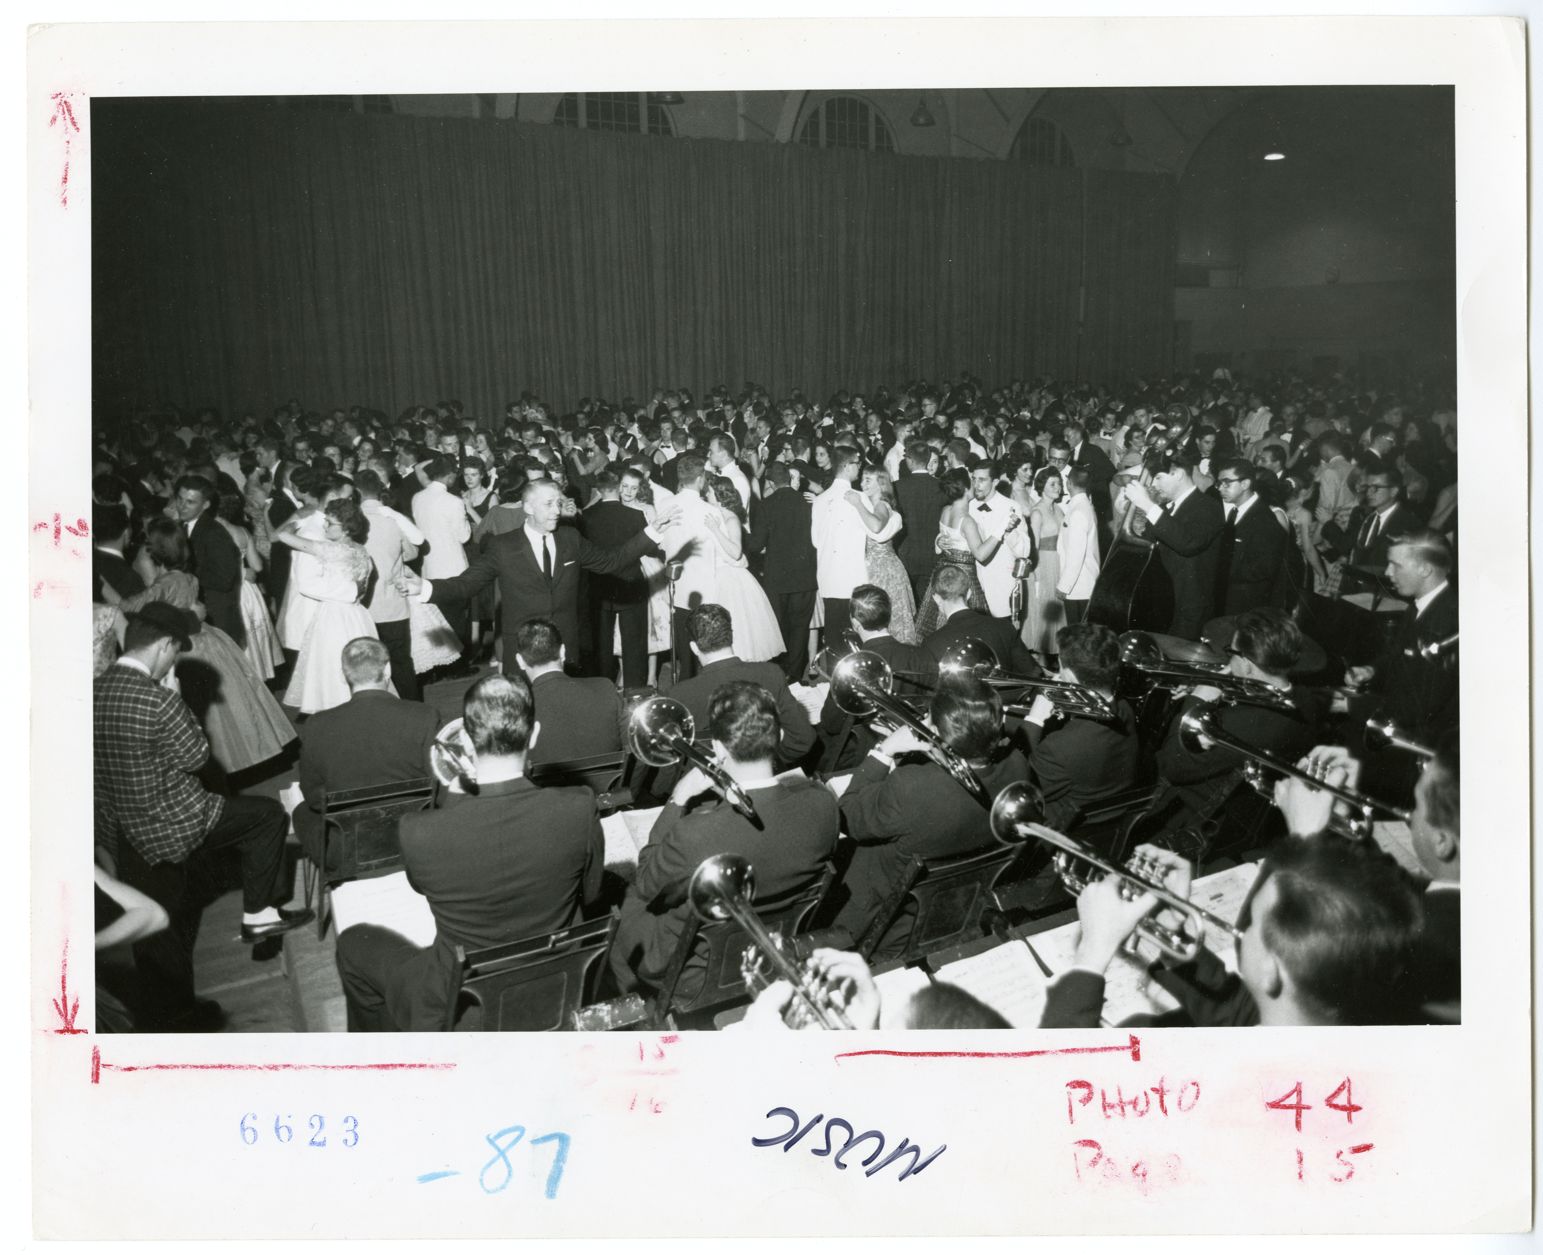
{"points": [[388, 901], [811, 697], [1006, 978]]}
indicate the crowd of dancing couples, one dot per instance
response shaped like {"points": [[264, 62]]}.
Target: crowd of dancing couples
{"points": [[326, 563]]}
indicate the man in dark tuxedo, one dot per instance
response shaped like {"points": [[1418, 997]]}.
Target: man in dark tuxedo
{"points": [[579, 718], [374, 737], [789, 850], [110, 538], [283, 501], [508, 862], [1082, 760], [623, 597], [1383, 517], [846, 739], [712, 641], [919, 498], [960, 622], [894, 809], [1188, 530], [1086, 454], [215, 559], [537, 568], [779, 528], [1253, 543]]}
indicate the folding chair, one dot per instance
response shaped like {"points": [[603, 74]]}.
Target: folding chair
{"points": [[360, 826], [942, 900], [536, 985]]}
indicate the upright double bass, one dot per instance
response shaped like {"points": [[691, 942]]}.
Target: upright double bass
{"points": [[1133, 590]]}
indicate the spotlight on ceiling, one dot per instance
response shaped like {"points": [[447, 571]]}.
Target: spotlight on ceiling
{"points": [[922, 116], [1275, 154], [665, 98]]}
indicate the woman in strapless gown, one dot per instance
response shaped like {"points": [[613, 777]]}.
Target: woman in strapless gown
{"points": [[757, 638], [958, 539], [1044, 614], [876, 504]]}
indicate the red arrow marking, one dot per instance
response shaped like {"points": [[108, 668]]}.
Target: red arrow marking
{"points": [[98, 1067], [64, 118], [1133, 1047], [66, 1006]]}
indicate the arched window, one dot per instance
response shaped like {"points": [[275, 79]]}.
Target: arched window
{"points": [[632, 112], [847, 122], [1039, 142]]}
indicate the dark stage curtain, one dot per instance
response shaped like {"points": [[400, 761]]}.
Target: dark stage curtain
{"points": [[244, 255]]}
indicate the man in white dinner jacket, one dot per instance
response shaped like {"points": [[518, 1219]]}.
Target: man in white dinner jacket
{"points": [[840, 542], [996, 515]]}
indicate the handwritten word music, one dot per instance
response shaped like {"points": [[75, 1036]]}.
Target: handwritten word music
{"points": [[794, 1134], [498, 1172], [1342, 1100], [284, 1133]]}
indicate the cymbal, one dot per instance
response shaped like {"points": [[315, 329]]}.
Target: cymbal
{"points": [[1178, 649]]}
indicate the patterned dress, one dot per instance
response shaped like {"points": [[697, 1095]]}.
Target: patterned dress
{"points": [[887, 571], [952, 551]]}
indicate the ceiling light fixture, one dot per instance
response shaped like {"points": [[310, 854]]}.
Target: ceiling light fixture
{"points": [[922, 116], [665, 98], [1275, 155]]}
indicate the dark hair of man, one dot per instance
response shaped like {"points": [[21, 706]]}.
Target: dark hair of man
{"points": [[1332, 445], [711, 628], [960, 449], [108, 520], [689, 468], [1275, 452], [1344, 926], [307, 483], [497, 714], [440, 466], [942, 1005], [722, 440], [347, 515], [778, 475], [232, 509], [1442, 780], [1093, 652], [1389, 472], [955, 483], [195, 483], [369, 484], [845, 459], [983, 464], [365, 661], [142, 634], [1177, 460], [606, 481], [743, 717], [167, 543], [1078, 479], [951, 582], [1268, 638], [870, 607], [967, 712], [1079, 433], [1429, 546], [1238, 468], [917, 453], [538, 641]]}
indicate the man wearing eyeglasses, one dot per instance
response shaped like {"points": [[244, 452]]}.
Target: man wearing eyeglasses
{"points": [[1253, 542], [1383, 516]]}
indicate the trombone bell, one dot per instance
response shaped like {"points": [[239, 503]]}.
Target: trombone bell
{"points": [[661, 733]]}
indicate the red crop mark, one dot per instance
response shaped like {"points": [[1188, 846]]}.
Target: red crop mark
{"points": [[79, 528], [1133, 1047], [98, 1067], [67, 1007], [58, 589], [64, 118]]}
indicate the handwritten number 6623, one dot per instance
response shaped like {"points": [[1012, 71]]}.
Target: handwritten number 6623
{"points": [[283, 1132]]}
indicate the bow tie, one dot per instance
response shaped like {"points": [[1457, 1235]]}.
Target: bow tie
{"points": [[984, 508]]}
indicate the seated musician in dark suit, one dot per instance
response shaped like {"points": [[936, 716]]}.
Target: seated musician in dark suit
{"points": [[950, 589], [1325, 938], [847, 740], [894, 809], [799, 826], [508, 862], [712, 641], [373, 738], [109, 565], [1081, 760], [1266, 644], [579, 718], [1382, 517]]}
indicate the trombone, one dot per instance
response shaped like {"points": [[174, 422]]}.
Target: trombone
{"points": [[1198, 726], [1143, 654], [452, 766], [660, 732], [973, 657], [721, 888], [862, 683], [1011, 820], [1384, 734]]}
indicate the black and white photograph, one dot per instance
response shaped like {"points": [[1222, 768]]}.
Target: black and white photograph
{"points": [[685, 565]]}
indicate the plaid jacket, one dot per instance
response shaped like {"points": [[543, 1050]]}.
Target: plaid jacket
{"points": [[146, 747]]}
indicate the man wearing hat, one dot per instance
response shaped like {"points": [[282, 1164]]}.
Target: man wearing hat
{"points": [[153, 816]]}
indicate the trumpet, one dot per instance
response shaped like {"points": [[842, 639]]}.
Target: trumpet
{"points": [[449, 760], [974, 657], [1384, 734], [1198, 726], [1010, 821], [1433, 649], [721, 888], [660, 732], [862, 683], [1141, 653]]}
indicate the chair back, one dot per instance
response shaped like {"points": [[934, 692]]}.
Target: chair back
{"points": [[603, 775], [536, 985], [361, 826], [936, 903], [721, 980]]}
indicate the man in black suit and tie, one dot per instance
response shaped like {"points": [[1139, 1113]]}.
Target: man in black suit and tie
{"points": [[623, 597], [847, 740], [110, 538], [216, 560], [1383, 517], [373, 738], [509, 862], [537, 568], [1188, 532], [780, 529], [282, 504], [919, 498], [1084, 453], [789, 850], [579, 718], [1253, 543], [960, 622], [712, 641]]}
